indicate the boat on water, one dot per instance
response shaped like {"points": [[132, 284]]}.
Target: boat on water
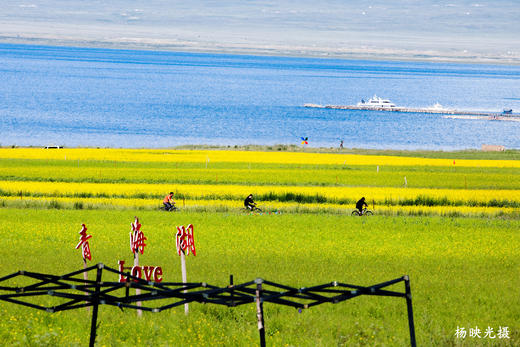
{"points": [[438, 108], [380, 104], [376, 102]]}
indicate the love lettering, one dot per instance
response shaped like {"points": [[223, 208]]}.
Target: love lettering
{"points": [[138, 271]]}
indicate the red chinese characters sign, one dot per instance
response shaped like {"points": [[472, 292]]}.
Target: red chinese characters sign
{"points": [[83, 242], [184, 240], [137, 238]]}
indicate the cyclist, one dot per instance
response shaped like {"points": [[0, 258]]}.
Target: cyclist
{"points": [[359, 205], [168, 202], [249, 203]]}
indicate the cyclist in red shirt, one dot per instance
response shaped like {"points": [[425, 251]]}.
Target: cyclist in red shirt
{"points": [[168, 202]]}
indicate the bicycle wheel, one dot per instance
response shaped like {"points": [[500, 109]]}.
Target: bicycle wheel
{"points": [[368, 213], [355, 213]]}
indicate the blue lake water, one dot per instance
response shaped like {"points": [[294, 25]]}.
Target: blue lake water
{"points": [[121, 98]]}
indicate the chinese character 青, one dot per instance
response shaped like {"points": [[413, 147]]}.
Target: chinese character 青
{"points": [[83, 242]]}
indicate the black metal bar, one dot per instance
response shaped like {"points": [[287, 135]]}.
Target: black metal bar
{"points": [[389, 283], [73, 307], [259, 291], [77, 272], [380, 292], [278, 285], [232, 291], [95, 301], [346, 285], [18, 302], [127, 290], [48, 278], [330, 290], [5, 278], [135, 307], [232, 300], [18, 295], [284, 302], [70, 307], [409, 309], [260, 311], [175, 304]]}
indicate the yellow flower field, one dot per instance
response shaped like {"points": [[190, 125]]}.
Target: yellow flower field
{"points": [[378, 194], [289, 180], [211, 156]]}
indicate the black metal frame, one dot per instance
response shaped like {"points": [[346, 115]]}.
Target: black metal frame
{"points": [[79, 293]]}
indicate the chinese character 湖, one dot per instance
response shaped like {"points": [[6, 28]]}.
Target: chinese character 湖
{"points": [[184, 240]]}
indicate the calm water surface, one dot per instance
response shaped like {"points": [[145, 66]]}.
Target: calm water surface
{"points": [[120, 98]]}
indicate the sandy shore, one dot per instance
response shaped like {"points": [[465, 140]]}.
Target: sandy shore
{"points": [[271, 49]]}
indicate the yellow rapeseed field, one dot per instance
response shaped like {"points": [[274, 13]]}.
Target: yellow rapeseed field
{"points": [[210, 156], [197, 191], [336, 187]]}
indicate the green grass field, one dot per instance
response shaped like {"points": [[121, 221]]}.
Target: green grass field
{"points": [[464, 264], [464, 272]]}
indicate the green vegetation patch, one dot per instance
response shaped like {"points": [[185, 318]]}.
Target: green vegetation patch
{"points": [[464, 272]]}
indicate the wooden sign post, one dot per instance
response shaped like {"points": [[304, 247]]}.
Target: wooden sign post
{"points": [[184, 277], [185, 244], [137, 245]]}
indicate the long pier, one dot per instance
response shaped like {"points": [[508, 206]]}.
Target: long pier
{"points": [[455, 113]]}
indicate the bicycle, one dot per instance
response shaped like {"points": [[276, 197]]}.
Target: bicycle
{"points": [[253, 209], [173, 208], [364, 212]]}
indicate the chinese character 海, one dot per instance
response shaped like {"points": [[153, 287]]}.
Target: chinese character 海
{"points": [[83, 242], [137, 237]]}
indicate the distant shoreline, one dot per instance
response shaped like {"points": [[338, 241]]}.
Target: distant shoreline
{"points": [[508, 154], [275, 51]]}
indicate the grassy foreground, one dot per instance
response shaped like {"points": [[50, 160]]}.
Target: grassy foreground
{"points": [[451, 221], [464, 272]]}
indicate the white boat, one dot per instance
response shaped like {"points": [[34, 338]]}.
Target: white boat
{"points": [[376, 102], [437, 107]]}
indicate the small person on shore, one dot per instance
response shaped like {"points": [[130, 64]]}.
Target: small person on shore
{"points": [[341, 145]]}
